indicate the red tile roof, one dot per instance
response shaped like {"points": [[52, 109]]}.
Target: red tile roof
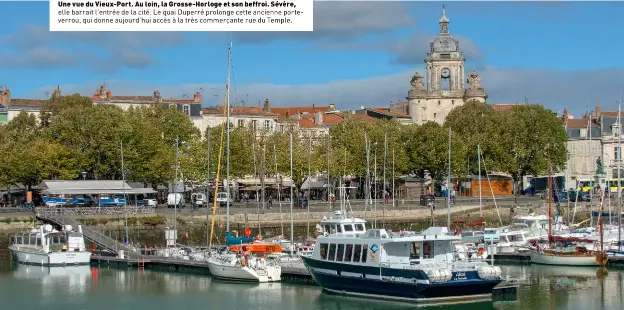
{"points": [[27, 102], [503, 106], [288, 111], [237, 110], [387, 111], [579, 123]]}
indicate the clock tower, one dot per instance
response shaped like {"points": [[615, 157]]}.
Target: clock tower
{"points": [[445, 88]]}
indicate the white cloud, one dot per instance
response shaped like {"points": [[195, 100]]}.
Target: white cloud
{"points": [[554, 89]]}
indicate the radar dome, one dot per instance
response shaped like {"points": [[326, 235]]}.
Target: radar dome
{"points": [[47, 228], [68, 227]]}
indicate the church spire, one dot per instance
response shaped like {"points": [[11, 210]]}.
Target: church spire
{"points": [[444, 21]]}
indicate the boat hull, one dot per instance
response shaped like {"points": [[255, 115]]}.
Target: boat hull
{"points": [[562, 260], [244, 274], [370, 285], [29, 257]]}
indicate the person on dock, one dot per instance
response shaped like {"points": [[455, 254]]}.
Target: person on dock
{"points": [[193, 204]]}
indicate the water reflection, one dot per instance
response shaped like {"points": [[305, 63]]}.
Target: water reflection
{"points": [[56, 288]]}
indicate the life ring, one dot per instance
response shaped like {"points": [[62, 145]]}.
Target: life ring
{"points": [[602, 259], [247, 232], [426, 248], [480, 251]]}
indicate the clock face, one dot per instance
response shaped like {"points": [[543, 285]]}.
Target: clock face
{"points": [[446, 73]]}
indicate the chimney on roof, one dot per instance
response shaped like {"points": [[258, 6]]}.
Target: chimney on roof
{"points": [[109, 94], [267, 106], [565, 114], [197, 98], [597, 111], [332, 107], [57, 92], [318, 118], [5, 97]]}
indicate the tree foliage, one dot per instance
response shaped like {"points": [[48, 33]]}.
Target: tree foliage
{"points": [[72, 136]]}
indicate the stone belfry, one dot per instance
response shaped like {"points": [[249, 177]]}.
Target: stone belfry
{"points": [[432, 97]]}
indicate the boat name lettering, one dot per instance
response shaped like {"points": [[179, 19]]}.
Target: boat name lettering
{"points": [[270, 248], [460, 276]]}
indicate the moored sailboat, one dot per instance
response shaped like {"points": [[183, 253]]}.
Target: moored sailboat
{"points": [[565, 250], [239, 262]]}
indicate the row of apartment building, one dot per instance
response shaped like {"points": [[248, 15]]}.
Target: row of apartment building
{"points": [[313, 120]]}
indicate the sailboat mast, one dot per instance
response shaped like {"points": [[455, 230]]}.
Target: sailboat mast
{"points": [[292, 233], [227, 142], [279, 189], [619, 175], [207, 201], [448, 187], [367, 189], [480, 187], [175, 195], [123, 186], [309, 181], [591, 187], [549, 197], [383, 210]]}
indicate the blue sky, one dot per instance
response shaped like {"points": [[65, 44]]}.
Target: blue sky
{"points": [[560, 54]]}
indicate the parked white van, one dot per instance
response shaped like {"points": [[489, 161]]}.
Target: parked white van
{"points": [[175, 198], [200, 199]]}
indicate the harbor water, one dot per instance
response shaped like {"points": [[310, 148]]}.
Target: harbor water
{"points": [[60, 288]]}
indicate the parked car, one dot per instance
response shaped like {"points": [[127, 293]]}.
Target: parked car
{"points": [[223, 198]]}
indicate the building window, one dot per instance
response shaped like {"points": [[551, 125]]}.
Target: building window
{"points": [[173, 106], [618, 152], [616, 129], [254, 124], [186, 109], [453, 102], [211, 123], [435, 114], [267, 124], [241, 123], [439, 102]]}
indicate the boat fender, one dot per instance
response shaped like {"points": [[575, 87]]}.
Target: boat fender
{"points": [[602, 258], [434, 275]]}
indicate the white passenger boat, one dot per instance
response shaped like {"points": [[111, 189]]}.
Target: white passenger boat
{"points": [[46, 246]]}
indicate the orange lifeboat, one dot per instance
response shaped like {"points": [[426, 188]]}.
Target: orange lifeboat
{"points": [[258, 248]]}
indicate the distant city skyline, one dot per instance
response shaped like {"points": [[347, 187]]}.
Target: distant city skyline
{"points": [[559, 54]]}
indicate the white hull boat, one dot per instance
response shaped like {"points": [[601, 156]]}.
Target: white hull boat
{"points": [[48, 247], [231, 267], [565, 260]]}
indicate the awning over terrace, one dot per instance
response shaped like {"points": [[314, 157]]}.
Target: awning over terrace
{"points": [[89, 187]]}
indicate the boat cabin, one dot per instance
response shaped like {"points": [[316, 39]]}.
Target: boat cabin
{"points": [[340, 224], [50, 240], [377, 246]]}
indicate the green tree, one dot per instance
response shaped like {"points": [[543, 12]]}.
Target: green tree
{"points": [[529, 132], [428, 148], [478, 124]]}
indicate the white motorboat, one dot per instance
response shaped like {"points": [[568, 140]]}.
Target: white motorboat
{"points": [[46, 246], [232, 266]]}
